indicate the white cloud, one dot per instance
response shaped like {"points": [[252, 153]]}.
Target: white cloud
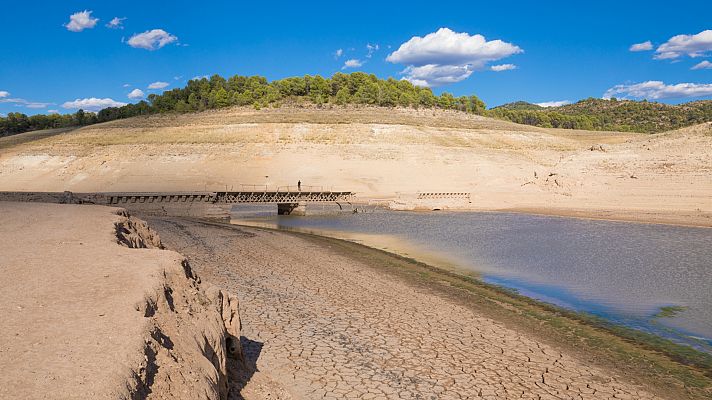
{"points": [[352, 63], [692, 45], [429, 58], [558, 103], [158, 85], [503, 67], [658, 90], [151, 40], [436, 75], [136, 94], [199, 77], [645, 46], [116, 23], [372, 48], [4, 93], [127, 85], [21, 102], [53, 111], [338, 53], [446, 47], [703, 65], [80, 21], [92, 104]]}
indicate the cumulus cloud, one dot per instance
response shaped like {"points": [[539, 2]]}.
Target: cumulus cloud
{"points": [[659, 90], [434, 54], [158, 85], [452, 48], [691, 45], [199, 77], [80, 21], [436, 75], [558, 103], [53, 111], [503, 67], [92, 104], [338, 53], [136, 94], [645, 46], [116, 23], [151, 40], [703, 65], [4, 94], [352, 63]]}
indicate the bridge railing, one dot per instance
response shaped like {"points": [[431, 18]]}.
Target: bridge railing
{"points": [[247, 187]]}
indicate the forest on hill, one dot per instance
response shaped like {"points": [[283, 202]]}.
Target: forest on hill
{"points": [[367, 89], [608, 114]]}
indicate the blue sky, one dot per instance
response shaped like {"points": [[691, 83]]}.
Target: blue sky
{"points": [[560, 51]]}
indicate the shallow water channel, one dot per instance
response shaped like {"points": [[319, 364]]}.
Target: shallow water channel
{"points": [[624, 272]]}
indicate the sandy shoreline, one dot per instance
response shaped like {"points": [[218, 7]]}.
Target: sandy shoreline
{"points": [[320, 319], [690, 219]]}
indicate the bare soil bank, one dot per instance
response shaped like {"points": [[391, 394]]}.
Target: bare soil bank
{"points": [[380, 154], [327, 318], [93, 308]]}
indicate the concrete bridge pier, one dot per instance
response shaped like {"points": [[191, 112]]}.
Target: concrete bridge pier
{"points": [[217, 211], [292, 209]]}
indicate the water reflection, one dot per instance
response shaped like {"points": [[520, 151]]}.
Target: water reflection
{"points": [[624, 272]]}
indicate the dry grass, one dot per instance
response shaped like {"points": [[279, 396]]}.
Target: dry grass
{"points": [[334, 125]]}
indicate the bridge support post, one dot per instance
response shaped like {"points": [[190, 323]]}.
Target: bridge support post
{"points": [[292, 209], [217, 211]]}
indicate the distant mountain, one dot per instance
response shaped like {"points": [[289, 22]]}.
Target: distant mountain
{"points": [[613, 114]]}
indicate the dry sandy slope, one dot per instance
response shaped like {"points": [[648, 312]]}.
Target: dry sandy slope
{"points": [[84, 317], [382, 153]]}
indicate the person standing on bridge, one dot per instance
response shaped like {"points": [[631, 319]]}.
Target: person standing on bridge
{"points": [[299, 185]]}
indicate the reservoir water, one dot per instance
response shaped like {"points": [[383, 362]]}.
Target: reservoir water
{"points": [[624, 272]]}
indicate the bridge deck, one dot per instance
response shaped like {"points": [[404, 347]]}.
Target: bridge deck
{"points": [[228, 197]]}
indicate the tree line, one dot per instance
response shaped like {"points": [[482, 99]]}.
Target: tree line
{"points": [[218, 92], [361, 88], [16, 122], [608, 114]]}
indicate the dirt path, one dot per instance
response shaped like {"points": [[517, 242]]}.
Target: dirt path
{"points": [[325, 325]]}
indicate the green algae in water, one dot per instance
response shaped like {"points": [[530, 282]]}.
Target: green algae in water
{"points": [[669, 311]]}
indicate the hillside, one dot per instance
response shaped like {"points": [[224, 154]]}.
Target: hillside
{"points": [[613, 114], [380, 153], [362, 89], [520, 105]]}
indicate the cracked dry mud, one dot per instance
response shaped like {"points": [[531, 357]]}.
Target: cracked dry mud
{"points": [[323, 325]]}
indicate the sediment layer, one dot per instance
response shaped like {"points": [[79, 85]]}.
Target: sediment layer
{"points": [[94, 308], [381, 154]]}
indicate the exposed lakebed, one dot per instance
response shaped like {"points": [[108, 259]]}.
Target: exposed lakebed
{"points": [[656, 278]]}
